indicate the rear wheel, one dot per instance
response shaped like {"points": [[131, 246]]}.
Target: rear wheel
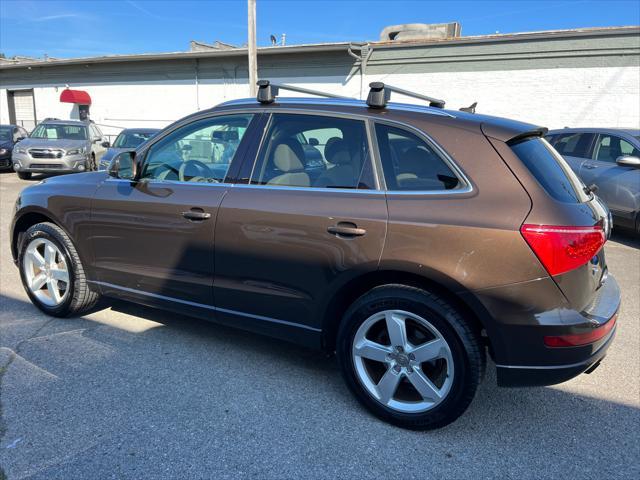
{"points": [[410, 357], [52, 274], [24, 175], [92, 163]]}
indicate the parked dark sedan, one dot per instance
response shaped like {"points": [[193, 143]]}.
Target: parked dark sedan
{"points": [[128, 139], [608, 158], [9, 136]]}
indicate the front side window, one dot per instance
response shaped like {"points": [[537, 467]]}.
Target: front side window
{"points": [[409, 163], [199, 152], [610, 147], [315, 152], [60, 132]]}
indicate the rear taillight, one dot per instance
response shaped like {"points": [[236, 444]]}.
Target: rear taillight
{"points": [[577, 339], [561, 249]]}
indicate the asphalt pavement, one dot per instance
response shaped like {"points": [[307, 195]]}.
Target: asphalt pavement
{"points": [[128, 392]]}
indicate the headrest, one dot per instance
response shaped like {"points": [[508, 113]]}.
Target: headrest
{"points": [[414, 160], [286, 157], [336, 151]]}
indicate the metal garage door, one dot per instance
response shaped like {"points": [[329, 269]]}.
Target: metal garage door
{"points": [[24, 111]]}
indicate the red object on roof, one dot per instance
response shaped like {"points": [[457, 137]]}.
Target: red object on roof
{"points": [[75, 96]]}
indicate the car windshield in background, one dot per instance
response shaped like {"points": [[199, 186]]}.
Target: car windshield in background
{"points": [[5, 134], [60, 132], [131, 139], [551, 170]]}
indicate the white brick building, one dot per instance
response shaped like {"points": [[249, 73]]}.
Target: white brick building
{"points": [[575, 78]]}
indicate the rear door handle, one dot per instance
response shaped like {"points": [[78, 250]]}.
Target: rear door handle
{"points": [[590, 166], [346, 229], [196, 214]]}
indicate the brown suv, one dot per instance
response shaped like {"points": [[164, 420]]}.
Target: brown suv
{"points": [[410, 240]]}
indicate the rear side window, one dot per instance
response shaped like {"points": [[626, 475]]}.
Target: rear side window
{"points": [[573, 144], [551, 170], [409, 163]]}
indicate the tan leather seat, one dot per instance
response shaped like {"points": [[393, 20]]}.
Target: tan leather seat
{"points": [[342, 173], [288, 159]]}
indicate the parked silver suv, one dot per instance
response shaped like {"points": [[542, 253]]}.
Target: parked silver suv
{"points": [[59, 146]]}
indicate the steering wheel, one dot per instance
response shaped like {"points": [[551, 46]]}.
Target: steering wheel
{"points": [[203, 170]]}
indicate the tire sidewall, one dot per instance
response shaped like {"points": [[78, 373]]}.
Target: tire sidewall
{"points": [[434, 313], [37, 232]]}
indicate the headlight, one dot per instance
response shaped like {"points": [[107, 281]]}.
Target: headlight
{"points": [[76, 151], [20, 150], [3, 151]]}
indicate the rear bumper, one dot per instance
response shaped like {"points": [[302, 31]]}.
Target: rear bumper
{"points": [[524, 314], [531, 376], [5, 163]]}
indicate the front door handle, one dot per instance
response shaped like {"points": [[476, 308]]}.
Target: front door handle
{"points": [[346, 229], [196, 214], [590, 166]]}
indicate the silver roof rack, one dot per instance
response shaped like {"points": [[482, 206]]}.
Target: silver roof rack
{"points": [[267, 91], [379, 95]]}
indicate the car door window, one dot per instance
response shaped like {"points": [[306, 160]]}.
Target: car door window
{"points": [[409, 163], [315, 151], [573, 144], [199, 152], [610, 147]]}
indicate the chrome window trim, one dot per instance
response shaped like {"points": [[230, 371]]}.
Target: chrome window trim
{"points": [[381, 187], [204, 306], [445, 157], [308, 189]]}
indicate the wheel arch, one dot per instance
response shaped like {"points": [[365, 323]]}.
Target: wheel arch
{"points": [[25, 220], [462, 299]]}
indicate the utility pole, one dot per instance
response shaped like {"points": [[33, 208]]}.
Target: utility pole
{"points": [[251, 44]]}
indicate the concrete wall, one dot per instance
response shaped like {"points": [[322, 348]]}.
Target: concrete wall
{"points": [[584, 80]]}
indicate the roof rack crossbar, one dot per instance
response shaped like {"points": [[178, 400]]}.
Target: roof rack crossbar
{"points": [[380, 94], [267, 91]]}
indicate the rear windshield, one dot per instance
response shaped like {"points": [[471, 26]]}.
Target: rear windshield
{"points": [[551, 170]]}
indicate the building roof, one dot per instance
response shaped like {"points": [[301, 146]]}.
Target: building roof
{"points": [[329, 47]]}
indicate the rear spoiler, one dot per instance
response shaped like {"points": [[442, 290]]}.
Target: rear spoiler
{"points": [[511, 131]]}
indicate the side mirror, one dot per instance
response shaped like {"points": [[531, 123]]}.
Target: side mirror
{"points": [[628, 161], [106, 144], [124, 166]]}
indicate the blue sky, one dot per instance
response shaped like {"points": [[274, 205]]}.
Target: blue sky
{"points": [[90, 27]]}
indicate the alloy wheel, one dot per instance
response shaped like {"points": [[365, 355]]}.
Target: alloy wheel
{"points": [[403, 361], [46, 272]]}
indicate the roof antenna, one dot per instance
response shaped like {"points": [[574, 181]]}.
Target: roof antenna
{"points": [[470, 109]]}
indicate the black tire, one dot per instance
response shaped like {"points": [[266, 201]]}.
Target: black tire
{"points": [[80, 298], [24, 175], [92, 163], [468, 353]]}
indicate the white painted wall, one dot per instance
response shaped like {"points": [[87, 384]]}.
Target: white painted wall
{"points": [[577, 97]]}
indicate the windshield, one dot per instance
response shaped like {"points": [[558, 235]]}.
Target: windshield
{"points": [[60, 132], [5, 134], [131, 139]]}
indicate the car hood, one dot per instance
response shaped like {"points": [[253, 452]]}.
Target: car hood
{"points": [[48, 143]]}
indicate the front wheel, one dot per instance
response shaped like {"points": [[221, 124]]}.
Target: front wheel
{"points": [[410, 357], [52, 273]]}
